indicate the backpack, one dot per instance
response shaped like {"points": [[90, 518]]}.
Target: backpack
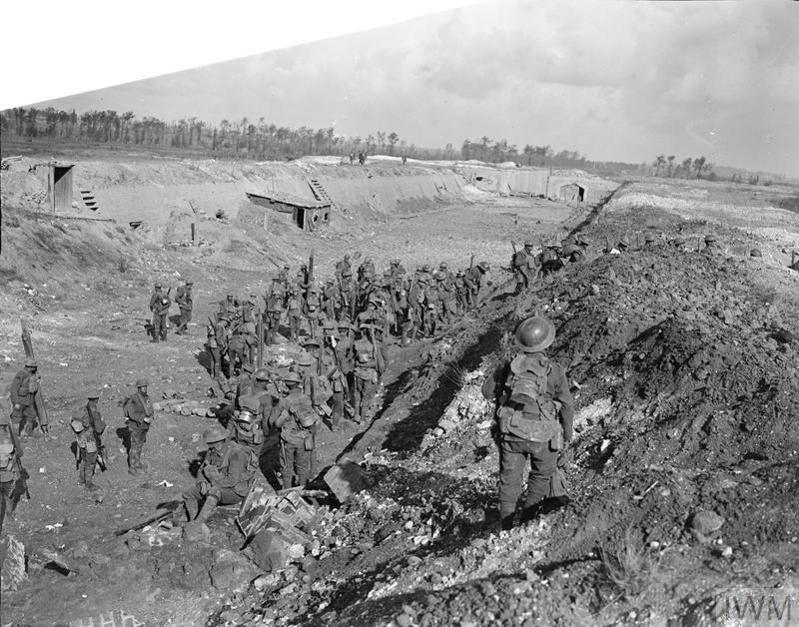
{"points": [[528, 413]]}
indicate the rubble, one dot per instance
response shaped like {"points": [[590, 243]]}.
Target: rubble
{"points": [[344, 480], [13, 570]]}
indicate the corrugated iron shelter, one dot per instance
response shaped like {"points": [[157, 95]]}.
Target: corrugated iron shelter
{"points": [[59, 186], [308, 215]]}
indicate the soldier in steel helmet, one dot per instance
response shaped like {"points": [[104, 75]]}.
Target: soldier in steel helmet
{"points": [[711, 245], [224, 476], [88, 425], [159, 305], [25, 401], [535, 413], [12, 475], [139, 414], [525, 267], [298, 423], [184, 300]]}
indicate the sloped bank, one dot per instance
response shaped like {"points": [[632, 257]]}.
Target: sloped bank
{"points": [[685, 462]]}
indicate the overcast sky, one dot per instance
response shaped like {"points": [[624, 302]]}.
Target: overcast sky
{"points": [[615, 80]]}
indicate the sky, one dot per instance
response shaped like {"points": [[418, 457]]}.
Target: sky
{"points": [[620, 81]]}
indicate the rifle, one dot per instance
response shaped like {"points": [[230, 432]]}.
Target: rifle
{"points": [[26, 339], [159, 514], [513, 245], [41, 410], [471, 262], [23, 475], [309, 278]]}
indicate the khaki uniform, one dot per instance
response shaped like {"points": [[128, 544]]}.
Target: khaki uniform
{"points": [[225, 478], [88, 443], [525, 269], [11, 477], [160, 309], [298, 423], [535, 412], [369, 365], [138, 410], [23, 390], [183, 298]]}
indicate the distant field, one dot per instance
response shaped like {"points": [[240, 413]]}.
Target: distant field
{"points": [[98, 151]]}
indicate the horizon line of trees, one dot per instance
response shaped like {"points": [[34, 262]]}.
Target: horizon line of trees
{"points": [[668, 167], [262, 140]]}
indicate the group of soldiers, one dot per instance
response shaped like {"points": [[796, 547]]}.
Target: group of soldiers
{"points": [[353, 305], [160, 303]]}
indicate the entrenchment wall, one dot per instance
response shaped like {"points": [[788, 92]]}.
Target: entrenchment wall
{"points": [[155, 191]]}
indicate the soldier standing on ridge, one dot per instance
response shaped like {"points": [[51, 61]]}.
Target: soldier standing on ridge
{"points": [[138, 410], [524, 267], [535, 413], [183, 298]]}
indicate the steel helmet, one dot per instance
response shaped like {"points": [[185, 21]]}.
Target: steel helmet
{"points": [[649, 238], [215, 434], [710, 238], [93, 394], [292, 377], [529, 244], [308, 419], [31, 363], [570, 249], [142, 383], [77, 425], [261, 374], [535, 334], [624, 242], [755, 252]]}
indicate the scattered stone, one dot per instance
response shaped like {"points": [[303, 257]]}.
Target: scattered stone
{"points": [[403, 620], [706, 522], [270, 551], [230, 571], [195, 532], [12, 564], [727, 552], [345, 479]]}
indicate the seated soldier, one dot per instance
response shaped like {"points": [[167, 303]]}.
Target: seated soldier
{"points": [[225, 475]]}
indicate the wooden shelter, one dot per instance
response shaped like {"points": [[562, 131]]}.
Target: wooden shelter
{"points": [[309, 215], [59, 186]]}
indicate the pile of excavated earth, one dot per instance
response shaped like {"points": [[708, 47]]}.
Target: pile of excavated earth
{"points": [[682, 474]]}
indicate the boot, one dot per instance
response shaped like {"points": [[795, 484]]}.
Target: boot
{"points": [[208, 507], [88, 479], [192, 509]]}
